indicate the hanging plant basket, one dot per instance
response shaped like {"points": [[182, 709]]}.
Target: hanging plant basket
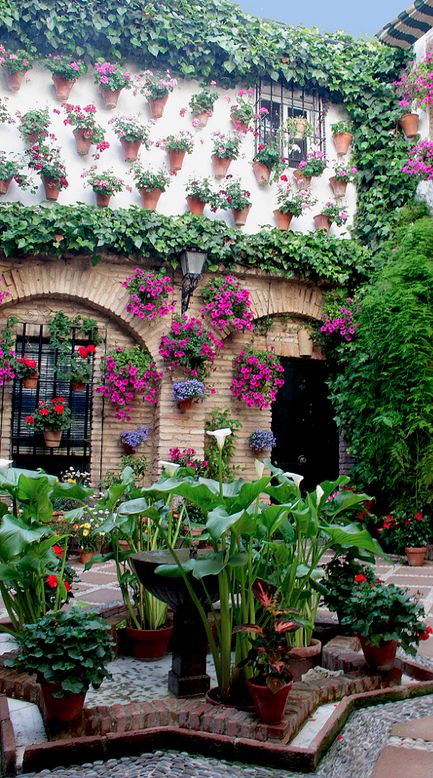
{"points": [[175, 159], [195, 205], [321, 222], [240, 216], [78, 386], [262, 173], [301, 180], [62, 86], [102, 200], [338, 186], [203, 118]]}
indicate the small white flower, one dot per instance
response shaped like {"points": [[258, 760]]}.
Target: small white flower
{"points": [[294, 477], [220, 436], [260, 466], [6, 462], [319, 493], [170, 467]]}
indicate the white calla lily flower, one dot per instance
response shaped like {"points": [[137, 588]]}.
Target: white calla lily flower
{"points": [[170, 467], [260, 466], [220, 436], [6, 462], [319, 493], [294, 477]]}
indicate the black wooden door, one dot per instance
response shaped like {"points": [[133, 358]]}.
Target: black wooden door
{"points": [[307, 439]]}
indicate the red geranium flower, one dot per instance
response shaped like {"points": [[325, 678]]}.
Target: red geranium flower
{"points": [[52, 581], [44, 411], [30, 420], [419, 517], [58, 550], [59, 409], [426, 634], [58, 400], [90, 348], [67, 586], [82, 350], [360, 578]]}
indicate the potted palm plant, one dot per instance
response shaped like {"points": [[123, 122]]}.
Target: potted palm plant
{"points": [[151, 184], [50, 417], [65, 71]]}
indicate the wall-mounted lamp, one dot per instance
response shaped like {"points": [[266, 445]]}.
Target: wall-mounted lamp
{"points": [[192, 264]]}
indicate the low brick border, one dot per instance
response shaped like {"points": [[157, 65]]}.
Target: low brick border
{"points": [[7, 739]]}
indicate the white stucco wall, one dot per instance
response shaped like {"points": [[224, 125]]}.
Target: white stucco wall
{"points": [[37, 92]]}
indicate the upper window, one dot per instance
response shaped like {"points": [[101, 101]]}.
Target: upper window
{"points": [[284, 104]]}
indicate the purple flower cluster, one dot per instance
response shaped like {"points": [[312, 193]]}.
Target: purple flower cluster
{"points": [[256, 378], [261, 439], [148, 294], [415, 87], [420, 161], [342, 324], [135, 437], [228, 304], [124, 378], [189, 347], [188, 390]]}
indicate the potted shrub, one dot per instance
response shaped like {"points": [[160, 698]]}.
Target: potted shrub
{"points": [[68, 650], [81, 368], [311, 167], [228, 304], [267, 159], [176, 147], [156, 89], [50, 417], [225, 148], [131, 133], [407, 532], [331, 213], [132, 439], [46, 161], [34, 125], [189, 347], [111, 79], [233, 197], [242, 112], [27, 371], [65, 71], [151, 184], [291, 204], [384, 616], [340, 582], [342, 176], [127, 372], [199, 194], [86, 130], [184, 393], [15, 65], [201, 106], [11, 167], [105, 184], [150, 294], [261, 440], [256, 378], [342, 135]]}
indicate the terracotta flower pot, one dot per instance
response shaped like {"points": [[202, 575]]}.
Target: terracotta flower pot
{"points": [[109, 97], [102, 200], [62, 86], [78, 386], [195, 205], [31, 381], [82, 142], [301, 180], [321, 222], [184, 405], [379, 657], [415, 555], [203, 118], [128, 450], [338, 186], [283, 220], [342, 141], [52, 438], [86, 556], [149, 198], [269, 705], [304, 658], [31, 138], [66, 708], [14, 80], [148, 644], [51, 189], [262, 172], [241, 215], [239, 126], [130, 149], [156, 106], [409, 124], [220, 166], [4, 185], [175, 159]]}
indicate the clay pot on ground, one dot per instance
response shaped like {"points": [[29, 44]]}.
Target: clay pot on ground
{"points": [[78, 386], [31, 381], [102, 200], [51, 189], [321, 222], [304, 658], [185, 405], [52, 438], [195, 205], [86, 556], [149, 198], [415, 555], [379, 657], [262, 173], [62, 86], [338, 186], [409, 124], [342, 141], [82, 143], [66, 708], [130, 149], [109, 97], [269, 705], [240, 215], [4, 185], [156, 106], [283, 220], [301, 180], [175, 159], [14, 80], [203, 118], [149, 644], [220, 166]]}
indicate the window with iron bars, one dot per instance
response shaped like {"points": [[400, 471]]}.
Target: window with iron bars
{"points": [[282, 103]]}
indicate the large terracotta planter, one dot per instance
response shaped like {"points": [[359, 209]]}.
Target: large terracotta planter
{"points": [[338, 186], [262, 173], [51, 189], [82, 142], [241, 215], [379, 657], [102, 200], [283, 220], [130, 149], [175, 159], [66, 708], [409, 124], [149, 644], [14, 80], [321, 222], [31, 381], [195, 205], [270, 706], [415, 555], [304, 658], [157, 106], [52, 438], [109, 97], [220, 166], [62, 86], [301, 180], [149, 198], [4, 185], [342, 141]]}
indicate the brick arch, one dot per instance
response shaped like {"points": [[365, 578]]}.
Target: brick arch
{"points": [[274, 296]]}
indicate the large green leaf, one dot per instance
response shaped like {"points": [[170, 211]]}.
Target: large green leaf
{"points": [[69, 491], [15, 534], [33, 494], [352, 536], [220, 521]]}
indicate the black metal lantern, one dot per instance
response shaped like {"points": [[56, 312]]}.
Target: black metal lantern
{"points": [[192, 263]]}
